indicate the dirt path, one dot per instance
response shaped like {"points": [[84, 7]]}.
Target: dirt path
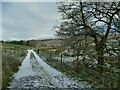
{"points": [[34, 73]]}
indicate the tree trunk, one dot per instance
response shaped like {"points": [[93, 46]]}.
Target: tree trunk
{"points": [[100, 60], [100, 53]]}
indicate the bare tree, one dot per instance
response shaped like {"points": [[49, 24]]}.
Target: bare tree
{"points": [[94, 19]]}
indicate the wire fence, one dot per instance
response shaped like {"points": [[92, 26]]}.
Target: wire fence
{"points": [[109, 78]]}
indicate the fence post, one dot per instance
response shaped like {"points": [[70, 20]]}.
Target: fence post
{"points": [[38, 51], [61, 59], [118, 62], [50, 55], [77, 62], [119, 54]]}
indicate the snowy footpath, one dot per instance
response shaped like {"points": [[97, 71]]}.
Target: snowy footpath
{"points": [[35, 74]]}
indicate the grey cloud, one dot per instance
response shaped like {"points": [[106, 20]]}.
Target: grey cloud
{"points": [[29, 20]]}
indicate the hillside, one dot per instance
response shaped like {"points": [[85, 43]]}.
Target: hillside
{"points": [[61, 55]]}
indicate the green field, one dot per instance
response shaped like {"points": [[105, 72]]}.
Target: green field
{"points": [[14, 46]]}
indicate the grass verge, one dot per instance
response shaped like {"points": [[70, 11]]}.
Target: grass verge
{"points": [[9, 67]]}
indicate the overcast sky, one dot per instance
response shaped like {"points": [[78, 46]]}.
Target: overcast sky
{"points": [[29, 20]]}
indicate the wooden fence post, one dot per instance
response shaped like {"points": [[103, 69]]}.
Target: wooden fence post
{"points": [[61, 59], [50, 55], [118, 62], [38, 51]]}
